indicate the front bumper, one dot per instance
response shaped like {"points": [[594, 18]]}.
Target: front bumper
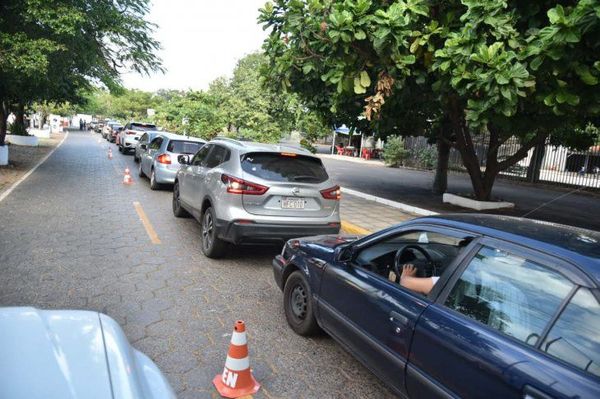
{"points": [[242, 232], [278, 266]]}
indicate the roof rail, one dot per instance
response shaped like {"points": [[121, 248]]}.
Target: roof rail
{"points": [[223, 138]]}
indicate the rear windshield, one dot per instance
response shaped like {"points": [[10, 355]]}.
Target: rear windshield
{"points": [[184, 147], [284, 168], [143, 126]]}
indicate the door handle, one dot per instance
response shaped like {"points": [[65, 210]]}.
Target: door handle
{"points": [[398, 319]]}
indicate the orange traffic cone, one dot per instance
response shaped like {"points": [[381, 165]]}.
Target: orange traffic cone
{"points": [[236, 380], [109, 153], [127, 177]]}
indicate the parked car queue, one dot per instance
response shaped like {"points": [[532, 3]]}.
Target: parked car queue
{"points": [[445, 306]]}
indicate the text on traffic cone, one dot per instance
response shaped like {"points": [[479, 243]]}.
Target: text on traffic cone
{"points": [[237, 380]]}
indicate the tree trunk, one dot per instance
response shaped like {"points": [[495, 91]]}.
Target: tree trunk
{"points": [[440, 181], [3, 118], [535, 165]]}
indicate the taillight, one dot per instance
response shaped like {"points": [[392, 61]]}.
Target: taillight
{"points": [[239, 186], [164, 158], [130, 132], [333, 193]]}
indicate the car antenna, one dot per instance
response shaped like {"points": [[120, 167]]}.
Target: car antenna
{"points": [[552, 200]]}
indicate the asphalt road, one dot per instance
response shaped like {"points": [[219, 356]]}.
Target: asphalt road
{"points": [[71, 238], [414, 187]]}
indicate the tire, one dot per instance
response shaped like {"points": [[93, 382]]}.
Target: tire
{"points": [[298, 306], [120, 148], [140, 171], [212, 246], [153, 184], [178, 210], [135, 158]]}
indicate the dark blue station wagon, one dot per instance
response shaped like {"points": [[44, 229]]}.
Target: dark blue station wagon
{"points": [[514, 314]]}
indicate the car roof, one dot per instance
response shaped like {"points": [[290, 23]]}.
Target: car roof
{"points": [[581, 246], [175, 136], [252, 146]]}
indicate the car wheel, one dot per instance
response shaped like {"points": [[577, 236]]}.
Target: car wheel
{"points": [[212, 246], [298, 306], [153, 184], [120, 148], [135, 158], [141, 171], [178, 210]]}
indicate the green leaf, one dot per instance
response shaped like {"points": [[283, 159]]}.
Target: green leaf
{"points": [[358, 87], [365, 80], [306, 68], [360, 35], [536, 62], [506, 93], [584, 73]]}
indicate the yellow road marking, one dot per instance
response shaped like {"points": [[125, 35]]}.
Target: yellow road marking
{"points": [[350, 228], [146, 222]]}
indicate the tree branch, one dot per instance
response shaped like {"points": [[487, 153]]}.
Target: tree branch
{"points": [[521, 153]]}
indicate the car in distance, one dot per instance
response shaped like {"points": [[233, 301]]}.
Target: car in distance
{"points": [[159, 159], [245, 192], [115, 130], [142, 144], [514, 313], [107, 129], [57, 354], [130, 135]]}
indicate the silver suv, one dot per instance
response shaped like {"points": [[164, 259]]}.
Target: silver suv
{"points": [[245, 192]]}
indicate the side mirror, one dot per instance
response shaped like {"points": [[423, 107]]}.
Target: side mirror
{"points": [[143, 146], [183, 159], [347, 254]]}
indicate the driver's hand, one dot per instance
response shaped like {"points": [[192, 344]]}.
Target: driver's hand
{"points": [[409, 270]]}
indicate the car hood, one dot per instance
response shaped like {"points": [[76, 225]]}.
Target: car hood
{"points": [[71, 354], [324, 246]]}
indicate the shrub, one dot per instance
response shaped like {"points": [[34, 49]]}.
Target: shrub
{"points": [[18, 129], [304, 143], [426, 157], [394, 152]]}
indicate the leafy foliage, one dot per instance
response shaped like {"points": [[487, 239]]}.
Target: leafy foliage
{"points": [[394, 152], [449, 69]]}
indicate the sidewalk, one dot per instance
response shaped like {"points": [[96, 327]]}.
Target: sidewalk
{"points": [[370, 162], [362, 216]]}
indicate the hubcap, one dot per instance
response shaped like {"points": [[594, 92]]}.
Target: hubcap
{"points": [[299, 302], [207, 231]]}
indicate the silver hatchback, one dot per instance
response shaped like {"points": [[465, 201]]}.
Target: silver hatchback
{"points": [[159, 159], [250, 192]]}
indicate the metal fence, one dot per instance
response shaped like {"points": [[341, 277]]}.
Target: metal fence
{"points": [[556, 164]]}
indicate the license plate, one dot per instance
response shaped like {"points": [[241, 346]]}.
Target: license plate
{"points": [[292, 203]]}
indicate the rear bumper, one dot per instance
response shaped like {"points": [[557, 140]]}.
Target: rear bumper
{"points": [[239, 233], [164, 175]]}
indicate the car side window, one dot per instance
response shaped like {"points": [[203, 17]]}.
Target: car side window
{"points": [[155, 144], [217, 156], [201, 155], [144, 138], [509, 293], [575, 337]]}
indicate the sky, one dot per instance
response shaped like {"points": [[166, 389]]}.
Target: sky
{"points": [[201, 40]]}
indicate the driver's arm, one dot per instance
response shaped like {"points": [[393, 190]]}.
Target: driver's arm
{"points": [[422, 285]]}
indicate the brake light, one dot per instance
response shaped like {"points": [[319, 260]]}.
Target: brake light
{"points": [[239, 186], [164, 158], [288, 154], [130, 132], [333, 193]]}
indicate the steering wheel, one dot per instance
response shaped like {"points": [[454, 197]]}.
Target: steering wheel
{"points": [[398, 259]]}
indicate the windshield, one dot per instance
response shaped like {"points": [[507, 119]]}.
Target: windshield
{"points": [[283, 167], [143, 126]]}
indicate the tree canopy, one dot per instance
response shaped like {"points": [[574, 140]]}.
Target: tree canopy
{"points": [[53, 50], [449, 69]]}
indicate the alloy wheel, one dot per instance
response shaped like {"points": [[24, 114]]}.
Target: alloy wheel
{"points": [[207, 231]]}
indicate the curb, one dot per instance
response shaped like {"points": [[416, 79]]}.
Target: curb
{"points": [[26, 175], [350, 228], [393, 204]]}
